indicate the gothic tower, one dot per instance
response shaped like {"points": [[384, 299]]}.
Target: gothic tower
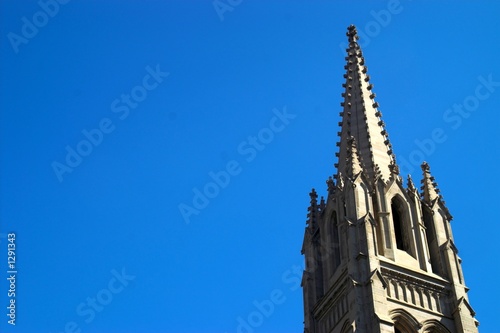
{"points": [[380, 256]]}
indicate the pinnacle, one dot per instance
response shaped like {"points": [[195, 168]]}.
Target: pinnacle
{"points": [[330, 185], [313, 209], [411, 185], [314, 197], [352, 33], [353, 167], [430, 191]]}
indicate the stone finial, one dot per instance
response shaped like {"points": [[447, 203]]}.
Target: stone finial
{"points": [[314, 197], [411, 185], [394, 168], [352, 33], [340, 181]]}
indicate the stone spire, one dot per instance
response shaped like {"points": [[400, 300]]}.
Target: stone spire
{"points": [[361, 119]]}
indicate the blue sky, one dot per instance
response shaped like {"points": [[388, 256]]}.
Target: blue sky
{"points": [[159, 98]]}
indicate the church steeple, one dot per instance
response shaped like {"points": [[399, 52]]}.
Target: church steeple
{"points": [[361, 117], [379, 257]]}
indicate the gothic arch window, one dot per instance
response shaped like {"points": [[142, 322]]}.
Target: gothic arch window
{"points": [[433, 326], [398, 220], [404, 322], [403, 327], [397, 330]]}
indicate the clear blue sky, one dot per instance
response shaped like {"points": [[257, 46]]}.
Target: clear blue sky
{"points": [[171, 94]]}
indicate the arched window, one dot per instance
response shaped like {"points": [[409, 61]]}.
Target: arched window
{"points": [[397, 210], [404, 322], [400, 329], [433, 326], [403, 327]]}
